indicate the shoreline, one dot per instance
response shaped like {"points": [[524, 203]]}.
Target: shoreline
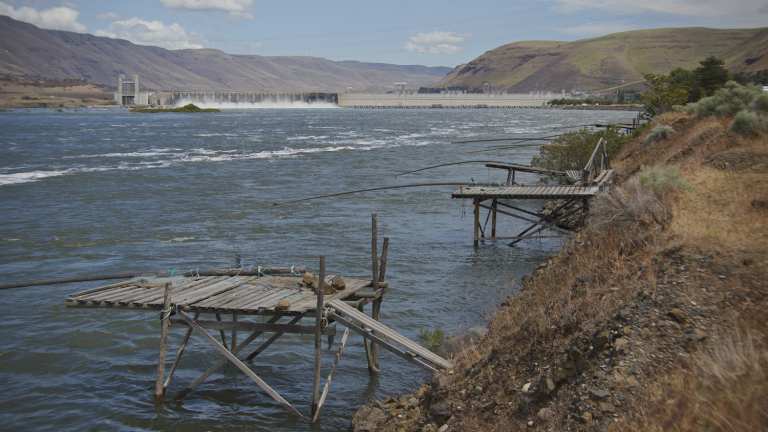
{"points": [[625, 311]]}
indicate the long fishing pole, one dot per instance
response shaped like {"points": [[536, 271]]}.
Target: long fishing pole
{"points": [[503, 148], [381, 188], [523, 139], [131, 275], [449, 164], [518, 139]]}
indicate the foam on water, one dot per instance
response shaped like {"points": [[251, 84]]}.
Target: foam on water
{"points": [[261, 105]]}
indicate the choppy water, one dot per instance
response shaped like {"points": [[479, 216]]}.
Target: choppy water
{"points": [[107, 190]]}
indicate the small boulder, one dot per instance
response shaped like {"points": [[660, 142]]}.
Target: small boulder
{"points": [[621, 344], [546, 414], [599, 394], [678, 315], [308, 279], [338, 283]]}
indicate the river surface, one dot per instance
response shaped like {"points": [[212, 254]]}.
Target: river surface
{"points": [[99, 191]]}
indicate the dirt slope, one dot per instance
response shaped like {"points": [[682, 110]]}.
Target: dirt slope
{"points": [[652, 318], [610, 60]]}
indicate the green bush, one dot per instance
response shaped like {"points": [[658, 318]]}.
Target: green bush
{"points": [[572, 150], [760, 103], [747, 123], [662, 179], [729, 100], [660, 132], [432, 339]]}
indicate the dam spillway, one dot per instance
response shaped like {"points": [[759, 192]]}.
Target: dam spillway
{"points": [[443, 100]]}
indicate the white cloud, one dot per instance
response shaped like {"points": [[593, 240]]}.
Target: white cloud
{"points": [[436, 42], [157, 33], [598, 29], [237, 8], [108, 16], [56, 18], [702, 8]]}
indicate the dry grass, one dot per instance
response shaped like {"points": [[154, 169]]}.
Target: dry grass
{"points": [[717, 210], [725, 389]]}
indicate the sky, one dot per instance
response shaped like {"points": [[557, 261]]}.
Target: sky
{"points": [[426, 32]]}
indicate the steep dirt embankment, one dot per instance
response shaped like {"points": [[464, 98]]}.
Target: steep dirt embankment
{"points": [[653, 317]]}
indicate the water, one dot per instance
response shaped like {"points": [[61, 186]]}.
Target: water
{"points": [[107, 191]]}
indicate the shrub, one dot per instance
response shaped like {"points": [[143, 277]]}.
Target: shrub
{"points": [[747, 124], [662, 179], [729, 100], [572, 150], [628, 205], [660, 132], [760, 104], [432, 339]]}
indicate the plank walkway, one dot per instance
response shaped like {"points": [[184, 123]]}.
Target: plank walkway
{"points": [[221, 294], [354, 317], [527, 192]]}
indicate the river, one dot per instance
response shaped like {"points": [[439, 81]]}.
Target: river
{"points": [[105, 190]]}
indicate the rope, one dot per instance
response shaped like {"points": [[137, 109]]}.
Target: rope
{"points": [[381, 188]]}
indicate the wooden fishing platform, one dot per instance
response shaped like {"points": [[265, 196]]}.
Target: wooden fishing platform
{"points": [[265, 302], [573, 198]]}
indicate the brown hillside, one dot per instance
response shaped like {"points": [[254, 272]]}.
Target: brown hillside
{"points": [[28, 52], [651, 319], [610, 60]]}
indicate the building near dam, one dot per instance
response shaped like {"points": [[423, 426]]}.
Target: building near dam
{"points": [[129, 93], [444, 100]]}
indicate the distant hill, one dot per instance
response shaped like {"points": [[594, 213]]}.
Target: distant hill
{"points": [[610, 60], [27, 52]]}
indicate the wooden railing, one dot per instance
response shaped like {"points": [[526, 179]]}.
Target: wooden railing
{"points": [[598, 162]]}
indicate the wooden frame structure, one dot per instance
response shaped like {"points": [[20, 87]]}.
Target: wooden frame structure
{"points": [[272, 302], [572, 199]]}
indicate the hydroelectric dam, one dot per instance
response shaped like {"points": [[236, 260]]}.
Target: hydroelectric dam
{"points": [[362, 100]]}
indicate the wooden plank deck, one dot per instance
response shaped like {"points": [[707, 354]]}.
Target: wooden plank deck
{"points": [[224, 294], [528, 192]]}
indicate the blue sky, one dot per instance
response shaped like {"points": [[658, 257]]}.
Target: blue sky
{"points": [[430, 32]]}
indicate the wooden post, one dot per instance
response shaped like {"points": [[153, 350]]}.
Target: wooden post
{"points": [[221, 332], [374, 252], [477, 222], [318, 337], [493, 219], [165, 323], [179, 353], [376, 306], [233, 342]]}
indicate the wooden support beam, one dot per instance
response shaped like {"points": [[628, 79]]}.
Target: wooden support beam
{"points": [[495, 207], [233, 338], [254, 326], [165, 324], [327, 386], [242, 366], [216, 366], [318, 341], [376, 306], [179, 353], [372, 350], [374, 337], [221, 332], [476, 241], [272, 339]]}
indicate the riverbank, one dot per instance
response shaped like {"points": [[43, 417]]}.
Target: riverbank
{"points": [[651, 318], [50, 94]]}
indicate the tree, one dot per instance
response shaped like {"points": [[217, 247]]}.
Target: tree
{"points": [[664, 92], [710, 75]]}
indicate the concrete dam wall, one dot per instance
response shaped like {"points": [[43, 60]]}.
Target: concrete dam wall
{"points": [[442, 100]]}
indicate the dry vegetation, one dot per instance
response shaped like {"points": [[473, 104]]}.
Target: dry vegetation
{"points": [[29, 94], [651, 318]]}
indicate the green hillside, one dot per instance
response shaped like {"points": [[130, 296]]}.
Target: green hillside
{"points": [[610, 60]]}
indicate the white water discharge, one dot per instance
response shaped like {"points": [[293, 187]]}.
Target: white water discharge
{"points": [[272, 104]]}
